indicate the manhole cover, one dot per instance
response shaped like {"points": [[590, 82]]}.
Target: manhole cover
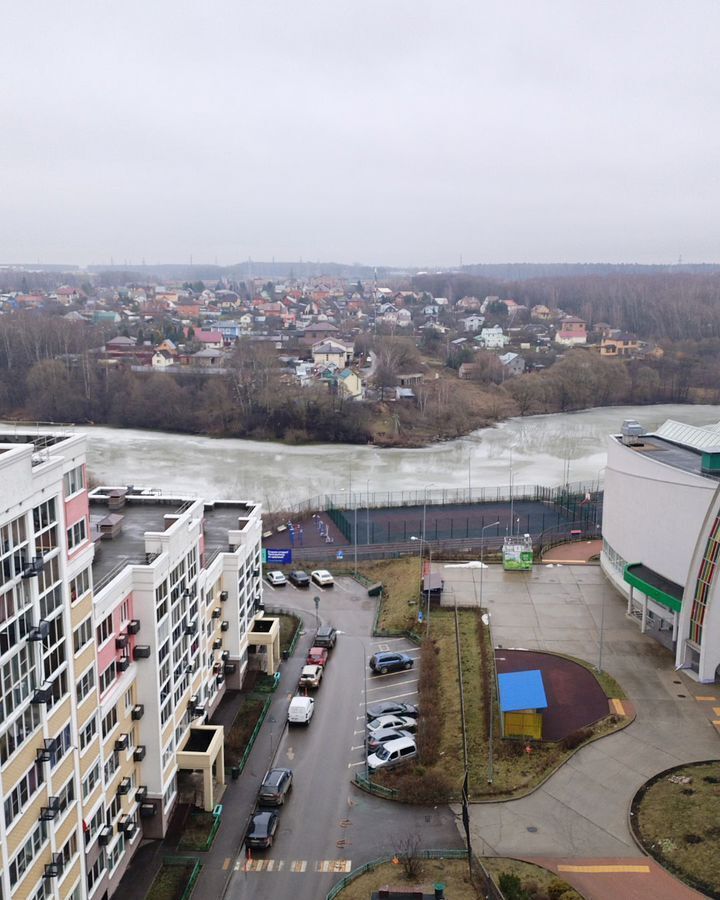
{"points": [[532, 829]]}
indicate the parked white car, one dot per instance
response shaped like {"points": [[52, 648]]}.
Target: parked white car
{"points": [[310, 676], [301, 710], [404, 723], [393, 753], [322, 577], [276, 578]]}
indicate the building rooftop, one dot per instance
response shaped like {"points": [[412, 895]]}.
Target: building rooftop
{"points": [[145, 512], [683, 457]]}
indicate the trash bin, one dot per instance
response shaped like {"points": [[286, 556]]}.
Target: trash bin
{"points": [[235, 772], [285, 655]]}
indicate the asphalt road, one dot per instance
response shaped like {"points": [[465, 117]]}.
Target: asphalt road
{"points": [[327, 826]]}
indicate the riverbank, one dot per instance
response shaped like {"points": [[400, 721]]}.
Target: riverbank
{"points": [[544, 449]]}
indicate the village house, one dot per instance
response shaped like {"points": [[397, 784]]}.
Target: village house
{"points": [[330, 351], [619, 344], [473, 322], [493, 338], [512, 363], [210, 340], [161, 359], [571, 332]]}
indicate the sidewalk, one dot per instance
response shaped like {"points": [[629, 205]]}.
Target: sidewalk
{"points": [[238, 801]]}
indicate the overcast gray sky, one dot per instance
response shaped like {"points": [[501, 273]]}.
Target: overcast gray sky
{"points": [[399, 132]]}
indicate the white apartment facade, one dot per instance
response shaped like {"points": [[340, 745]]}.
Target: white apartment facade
{"points": [[124, 616]]}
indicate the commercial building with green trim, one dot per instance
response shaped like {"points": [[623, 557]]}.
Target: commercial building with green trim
{"points": [[661, 537]]}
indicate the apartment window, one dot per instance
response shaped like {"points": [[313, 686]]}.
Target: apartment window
{"points": [[17, 679], [104, 630], [44, 515], [19, 731], [80, 585], [86, 684], [83, 634], [170, 792], [69, 849], [58, 689], [26, 854], [66, 795], [54, 648], [113, 811], [73, 481], [109, 722], [64, 745], [90, 781], [76, 534], [125, 611], [19, 796], [111, 767], [87, 733], [165, 711], [117, 851], [96, 872], [95, 823], [107, 677], [129, 702], [168, 754], [161, 600]]}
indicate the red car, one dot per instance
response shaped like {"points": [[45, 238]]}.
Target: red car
{"points": [[317, 656]]}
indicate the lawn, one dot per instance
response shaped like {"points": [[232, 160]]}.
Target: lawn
{"points": [[236, 739], [453, 873], [288, 626], [197, 830], [514, 771], [679, 824], [171, 881], [536, 882]]}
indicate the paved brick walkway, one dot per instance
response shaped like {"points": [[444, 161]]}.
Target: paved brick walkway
{"points": [[619, 878]]}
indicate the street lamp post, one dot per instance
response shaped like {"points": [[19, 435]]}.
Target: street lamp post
{"points": [[316, 601], [482, 555], [367, 497], [423, 543]]}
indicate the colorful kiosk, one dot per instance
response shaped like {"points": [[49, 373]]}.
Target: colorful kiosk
{"points": [[522, 700]]}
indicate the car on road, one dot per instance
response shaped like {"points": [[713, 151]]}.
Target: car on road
{"points": [[317, 656], [378, 738], [301, 710], [310, 676], [392, 708], [299, 578], [261, 830], [392, 753], [276, 785], [322, 577], [390, 662], [326, 637], [276, 579], [404, 723]]}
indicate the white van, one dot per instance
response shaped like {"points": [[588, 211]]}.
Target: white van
{"points": [[301, 710], [392, 753]]}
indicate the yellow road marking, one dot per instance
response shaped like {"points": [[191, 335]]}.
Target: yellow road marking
{"points": [[226, 864], [716, 721], [618, 707], [604, 869], [298, 865], [710, 699], [716, 710]]}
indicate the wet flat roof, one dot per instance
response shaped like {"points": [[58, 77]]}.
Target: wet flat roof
{"points": [[671, 454], [139, 517]]}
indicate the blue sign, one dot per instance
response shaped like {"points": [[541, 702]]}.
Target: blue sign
{"points": [[279, 557], [420, 616], [340, 554]]}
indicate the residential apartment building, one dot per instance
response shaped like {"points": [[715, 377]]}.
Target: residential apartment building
{"points": [[124, 616]]}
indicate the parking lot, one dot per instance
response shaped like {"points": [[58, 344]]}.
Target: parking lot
{"points": [[326, 823]]}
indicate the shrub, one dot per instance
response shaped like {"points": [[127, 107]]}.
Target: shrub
{"points": [[511, 886], [432, 787], [576, 738], [556, 889]]}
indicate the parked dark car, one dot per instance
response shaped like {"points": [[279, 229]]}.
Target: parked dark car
{"points": [[261, 830], [299, 578], [276, 785], [392, 708], [325, 637], [390, 662]]}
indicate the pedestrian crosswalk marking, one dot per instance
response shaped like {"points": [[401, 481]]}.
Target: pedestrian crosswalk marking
{"points": [[296, 865]]}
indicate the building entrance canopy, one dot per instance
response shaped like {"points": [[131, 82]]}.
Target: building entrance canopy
{"points": [[661, 589]]}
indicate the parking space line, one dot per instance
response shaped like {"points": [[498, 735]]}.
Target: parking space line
{"points": [[359, 747], [398, 696], [361, 763], [396, 684], [267, 584]]}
